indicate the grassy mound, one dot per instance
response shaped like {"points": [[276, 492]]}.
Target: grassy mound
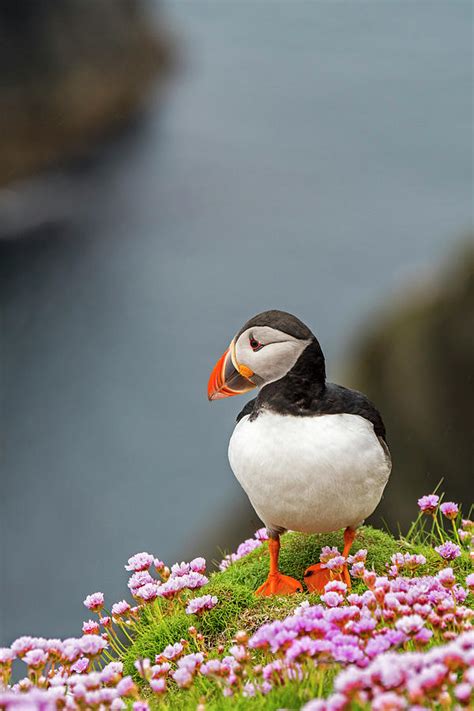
{"points": [[240, 609]]}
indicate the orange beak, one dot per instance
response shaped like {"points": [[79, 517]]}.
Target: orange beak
{"points": [[228, 377]]}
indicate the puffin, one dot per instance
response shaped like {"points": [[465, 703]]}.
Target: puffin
{"points": [[312, 456]]}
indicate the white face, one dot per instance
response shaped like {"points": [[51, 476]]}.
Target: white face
{"points": [[269, 353]]}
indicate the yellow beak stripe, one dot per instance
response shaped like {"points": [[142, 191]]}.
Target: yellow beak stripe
{"points": [[243, 370]]}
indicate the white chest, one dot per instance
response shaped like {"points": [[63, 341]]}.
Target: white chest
{"points": [[311, 474]]}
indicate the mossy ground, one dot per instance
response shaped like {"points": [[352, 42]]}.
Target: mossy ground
{"points": [[239, 608]]}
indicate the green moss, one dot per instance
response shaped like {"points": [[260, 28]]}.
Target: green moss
{"points": [[223, 620], [153, 636], [298, 551], [290, 696]]}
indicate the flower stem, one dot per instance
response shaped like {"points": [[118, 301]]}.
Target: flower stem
{"points": [[321, 684], [453, 522], [124, 630], [438, 529]]}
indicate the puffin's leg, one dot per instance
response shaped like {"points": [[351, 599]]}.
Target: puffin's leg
{"points": [[316, 577], [277, 583], [349, 535]]}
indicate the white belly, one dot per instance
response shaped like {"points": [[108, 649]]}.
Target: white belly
{"points": [[311, 474]]}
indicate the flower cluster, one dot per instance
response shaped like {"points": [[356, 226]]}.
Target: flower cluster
{"points": [[197, 605], [64, 673], [434, 679], [249, 545], [171, 583], [354, 630], [448, 550], [382, 635], [448, 511], [429, 503], [107, 688], [405, 563]]}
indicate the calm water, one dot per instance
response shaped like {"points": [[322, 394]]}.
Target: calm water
{"points": [[312, 156]]}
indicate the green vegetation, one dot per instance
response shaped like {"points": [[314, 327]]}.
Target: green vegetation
{"points": [[240, 609]]}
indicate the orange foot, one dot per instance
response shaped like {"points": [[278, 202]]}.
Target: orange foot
{"points": [[316, 577], [279, 584]]}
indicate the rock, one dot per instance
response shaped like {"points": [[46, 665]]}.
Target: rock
{"points": [[71, 72], [417, 366]]}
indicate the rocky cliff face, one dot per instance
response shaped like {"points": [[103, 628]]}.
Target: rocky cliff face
{"points": [[70, 72], [418, 367]]}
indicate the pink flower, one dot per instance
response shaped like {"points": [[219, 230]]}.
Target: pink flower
{"points": [[6, 655], [90, 627], [92, 645], [22, 645], [160, 669], [470, 582], [335, 564], [448, 550], [405, 561], [244, 549], [176, 583], [463, 692], [183, 678], [358, 569], [140, 706], [428, 504], [332, 599], [71, 650], [198, 565], [173, 651], [191, 661], [35, 658], [111, 673], [158, 686], [198, 605], [180, 569], [140, 561], [80, 666], [138, 580], [369, 578], [54, 647], [126, 686], [148, 592], [120, 608], [327, 553], [159, 565], [388, 701], [359, 556], [95, 601], [143, 667], [409, 625], [446, 577], [423, 636], [449, 509], [336, 585]]}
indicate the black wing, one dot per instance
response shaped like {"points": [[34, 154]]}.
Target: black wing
{"points": [[339, 399], [248, 409]]}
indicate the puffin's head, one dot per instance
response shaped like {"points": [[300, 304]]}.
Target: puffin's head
{"points": [[264, 350]]}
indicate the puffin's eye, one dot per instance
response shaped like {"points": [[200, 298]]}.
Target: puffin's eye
{"points": [[254, 344]]}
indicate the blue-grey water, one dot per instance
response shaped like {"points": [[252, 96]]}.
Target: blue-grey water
{"points": [[311, 156]]}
